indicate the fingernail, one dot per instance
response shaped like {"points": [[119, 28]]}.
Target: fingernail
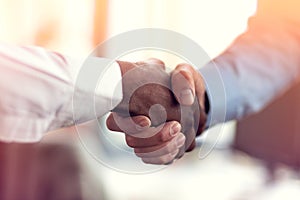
{"points": [[187, 97], [143, 123], [180, 141], [175, 128]]}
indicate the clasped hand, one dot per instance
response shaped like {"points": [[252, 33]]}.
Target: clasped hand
{"points": [[161, 114]]}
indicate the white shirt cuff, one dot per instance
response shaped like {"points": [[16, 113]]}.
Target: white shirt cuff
{"points": [[97, 88]]}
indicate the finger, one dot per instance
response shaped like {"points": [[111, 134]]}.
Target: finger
{"points": [[154, 61], [183, 84], [153, 136], [183, 149], [163, 149], [180, 152], [134, 124], [190, 141], [165, 159], [192, 146]]}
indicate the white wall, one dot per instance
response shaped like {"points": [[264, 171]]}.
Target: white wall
{"points": [[213, 24]]}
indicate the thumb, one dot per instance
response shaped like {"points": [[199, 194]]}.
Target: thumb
{"points": [[183, 84]]}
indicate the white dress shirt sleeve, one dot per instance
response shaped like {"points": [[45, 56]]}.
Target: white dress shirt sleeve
{"points": [[37, 91]]}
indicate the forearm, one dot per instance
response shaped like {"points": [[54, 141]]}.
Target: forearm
{"points": [[260, 65], [37, 88]]}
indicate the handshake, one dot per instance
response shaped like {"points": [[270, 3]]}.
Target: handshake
{"points": [[160, 113]]}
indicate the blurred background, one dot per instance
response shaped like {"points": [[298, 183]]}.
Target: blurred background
{"points": [[75, 28]]}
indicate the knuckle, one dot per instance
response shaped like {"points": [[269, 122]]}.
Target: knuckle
{"points": [[140, 154], [130, 141], [161, 137], [137, 151], [145, 160], [168, 148], [165, 132], [149, 161], [165, 159], [172, 147]]}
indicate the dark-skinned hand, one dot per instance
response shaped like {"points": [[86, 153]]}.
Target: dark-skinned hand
{"points": [[159, 121]]}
